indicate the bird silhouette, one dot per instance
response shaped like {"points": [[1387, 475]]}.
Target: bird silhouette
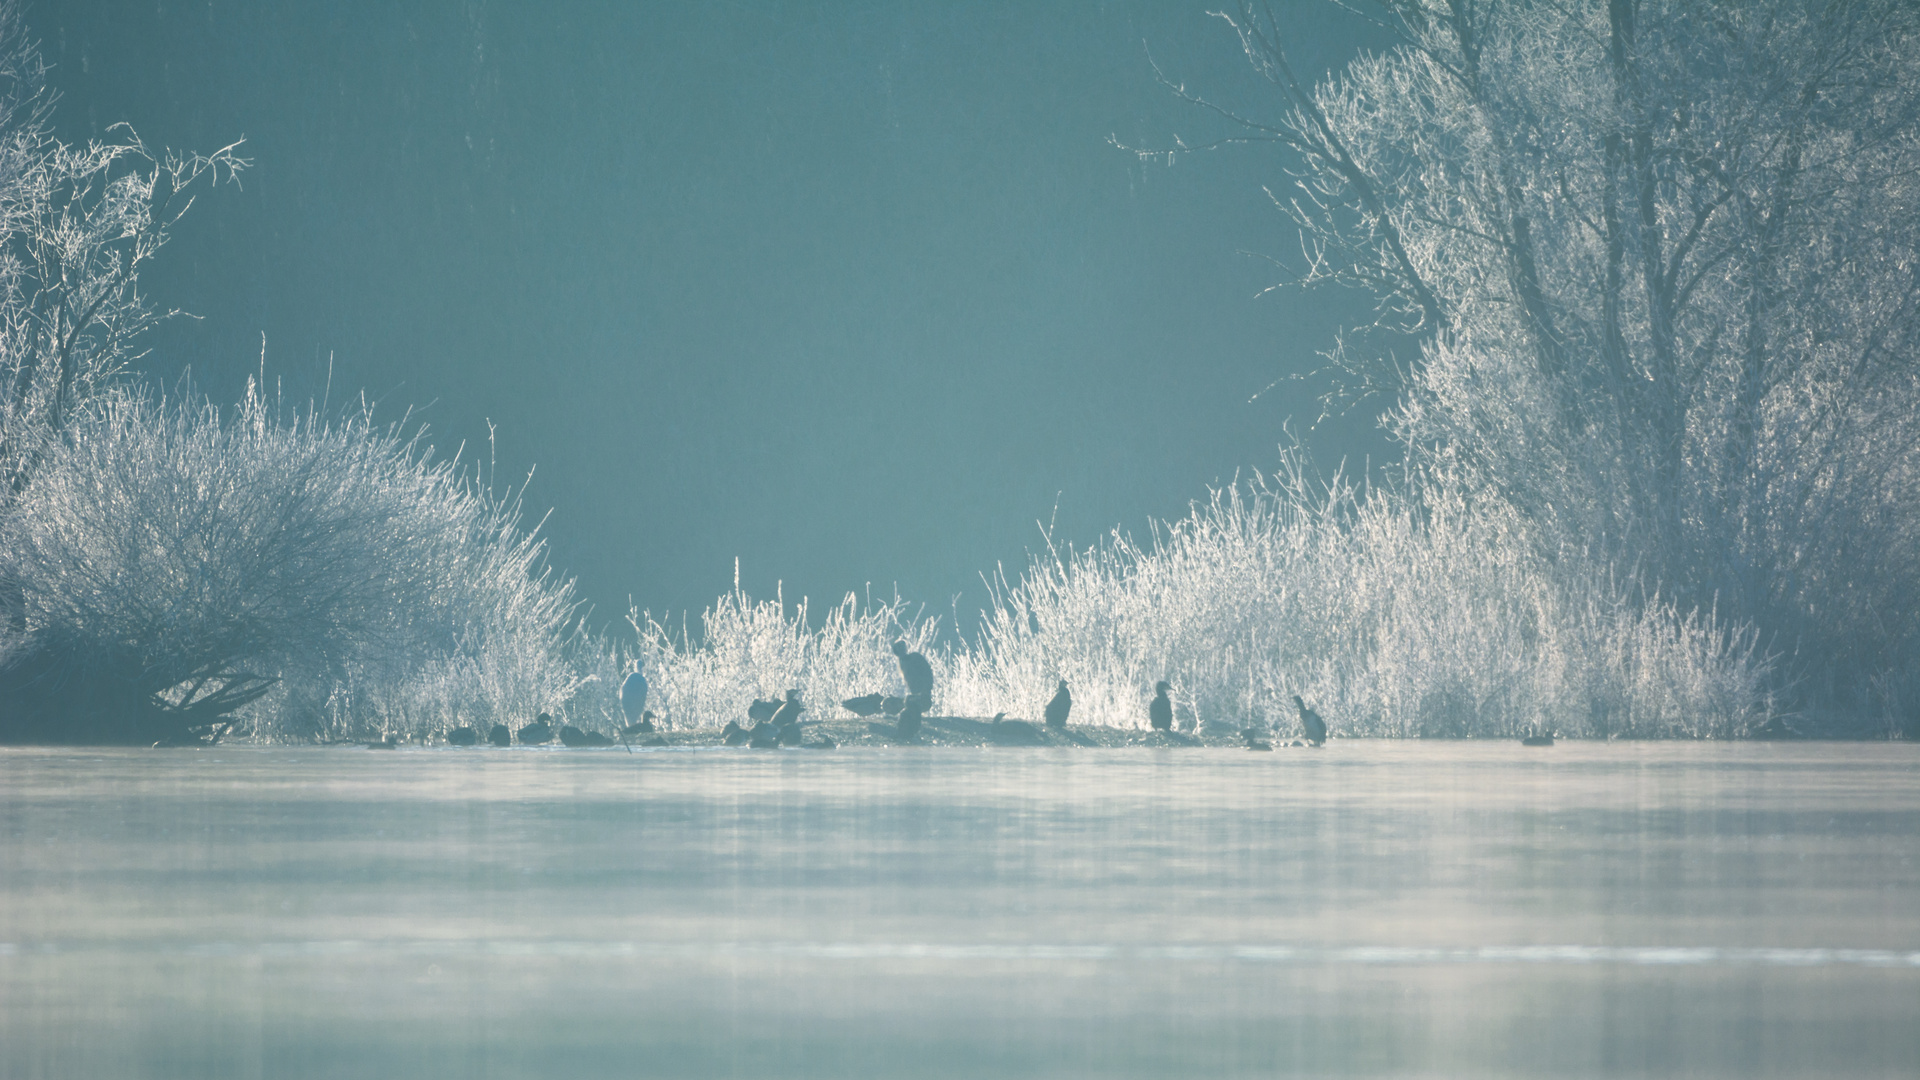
{"points": [[1538, 738], [1310, 723], [540, 731], [633, 695], [763, 710], [865, 705], [463, 736], [764, 736], [1160, 713], [573, 736], [500, 736], [1060, 706], [892, 705], [1253, 741], [788, 714], [644, 727], [915, 669], [733, 734], [910, 716]]}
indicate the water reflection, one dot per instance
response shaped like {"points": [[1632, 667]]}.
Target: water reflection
{"points": [[1368, 909]]}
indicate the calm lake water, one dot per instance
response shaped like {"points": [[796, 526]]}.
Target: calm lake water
{"points": [[1370, 909]]}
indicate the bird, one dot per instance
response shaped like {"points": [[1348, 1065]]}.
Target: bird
{"points": [[1254, 743], [915, 669], [573, 736], [1060, 706], [788, 713], [865, 705], [733, 734], [1160, 713], [764, 736], [633, 695], [1311, 723], [910, 715], [1537, 739], [644, 727], [500, 736], [997, 717], [462, 736], [540, 731], [763, 709], [892, 705]]}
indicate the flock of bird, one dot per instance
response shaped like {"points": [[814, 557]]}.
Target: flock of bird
{"points": [[776, 722]]}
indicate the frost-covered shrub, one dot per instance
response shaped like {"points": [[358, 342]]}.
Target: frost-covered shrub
{"points": [[177, 566]]}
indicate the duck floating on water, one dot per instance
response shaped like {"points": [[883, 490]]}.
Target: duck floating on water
{"points": [[500, 736], [540, 731], [463, 736], [1254, 742], [574, 737]]}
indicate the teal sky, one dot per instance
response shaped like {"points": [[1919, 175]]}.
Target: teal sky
{"points": [[853, 292]]}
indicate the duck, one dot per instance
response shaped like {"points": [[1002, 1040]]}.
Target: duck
{"points": [[573, 736], [1160, 713], [1537, 739], [500, 736], [1253, 741], [865, 705], [762, 710], [764, 736], [540, 731], [644, 727], [1060, 706], [1310, 722], [463, 736], [733, 734]]}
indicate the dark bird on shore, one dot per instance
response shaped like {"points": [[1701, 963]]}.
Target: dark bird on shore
{"points": [[892, 705], [500, 736], [644, 727], [1060, 706], [1160, 713], [865, 705], [540, 731], [1253, 741], [573, 736], [463, 736], [762, 710], [788, 714], [1310, 723], [633, 695], [764, 736], [733, 734], [915, 669], [910, 716], [1537, 739]]}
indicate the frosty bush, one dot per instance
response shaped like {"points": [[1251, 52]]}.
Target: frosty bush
{"points": [[177, 566]]}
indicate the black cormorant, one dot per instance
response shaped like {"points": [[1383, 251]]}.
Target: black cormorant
{"points": [[1310, 722], [764, 736], [763, 710], [500, 736], [1254, 743], [644, 727], [789, 711], [1060, 706], [1160, 713], [915, 669], [463, 736], [573, 736], [733, 734]]}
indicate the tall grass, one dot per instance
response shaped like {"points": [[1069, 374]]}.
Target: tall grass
{"points": [[1393, 617]]}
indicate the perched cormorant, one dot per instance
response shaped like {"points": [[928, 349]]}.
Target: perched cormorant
{"points": [[788, 713], [1060, 706], [865, 705], [1310, 723], [733, 734], [915, 669], [644, 727], [463, 736], [1160, 713], [540, 731], [910, 715], [633, 696], [573, 736], [763, 710], [500, 736], [1254, 743]]}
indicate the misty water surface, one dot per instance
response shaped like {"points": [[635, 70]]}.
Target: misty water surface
{"points": [[1374, 908]]}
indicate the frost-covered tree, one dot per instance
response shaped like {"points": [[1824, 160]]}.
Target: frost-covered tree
{"points": [[1661, 256]]}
